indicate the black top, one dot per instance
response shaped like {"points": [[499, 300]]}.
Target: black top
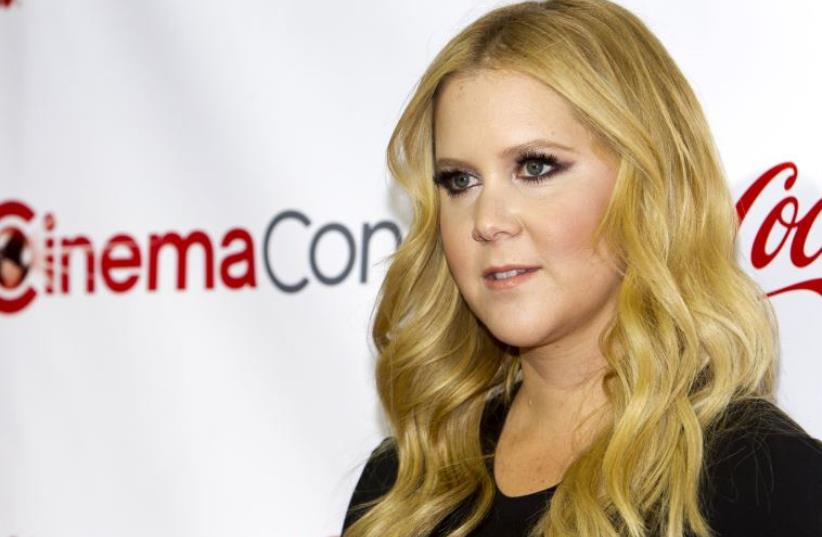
{"points": [[764, 481]]}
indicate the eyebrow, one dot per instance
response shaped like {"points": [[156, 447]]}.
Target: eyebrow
{"points": [[507, 153]]}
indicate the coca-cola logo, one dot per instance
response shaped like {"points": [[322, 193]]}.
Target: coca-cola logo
{"points": [[794, 229]]}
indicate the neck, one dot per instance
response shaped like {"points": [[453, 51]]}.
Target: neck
{"points": [[560, 390]]}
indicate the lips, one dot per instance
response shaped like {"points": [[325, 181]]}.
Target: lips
{"points": [[488, 273]]}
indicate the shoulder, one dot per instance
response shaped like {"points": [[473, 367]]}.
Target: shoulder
{"points": [[376, 479], [763, 474]]}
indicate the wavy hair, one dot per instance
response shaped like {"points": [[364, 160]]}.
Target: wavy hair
{"points": [[692, 333]]}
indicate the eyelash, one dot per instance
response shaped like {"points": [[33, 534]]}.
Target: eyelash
{"points": [[444, 177]]}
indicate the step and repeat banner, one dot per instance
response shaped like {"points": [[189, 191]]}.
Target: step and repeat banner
{"points": [[195, 217]]}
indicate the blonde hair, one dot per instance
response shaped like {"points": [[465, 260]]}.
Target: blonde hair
{"points": [[692, 332]]}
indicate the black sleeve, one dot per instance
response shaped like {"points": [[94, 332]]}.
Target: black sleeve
{"points": [[377, 477], [767, 483]]}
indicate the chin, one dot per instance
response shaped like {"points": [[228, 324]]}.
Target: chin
{"points": [[516, 336]]}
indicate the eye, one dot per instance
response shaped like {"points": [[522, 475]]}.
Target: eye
{"points": [[455, 182], [534, 161]]}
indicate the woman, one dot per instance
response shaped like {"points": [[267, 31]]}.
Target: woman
{"points": [[566, 343]]}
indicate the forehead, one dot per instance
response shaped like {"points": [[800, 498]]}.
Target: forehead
{"points": [[502, 108]]}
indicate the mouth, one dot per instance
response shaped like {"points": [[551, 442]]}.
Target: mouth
{"points": [[506, 272], [502, 280]]}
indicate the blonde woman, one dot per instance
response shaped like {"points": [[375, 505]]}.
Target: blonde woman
{"points": [[567, 346]]}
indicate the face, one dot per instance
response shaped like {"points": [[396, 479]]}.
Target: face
{"points": [[522, 183]]}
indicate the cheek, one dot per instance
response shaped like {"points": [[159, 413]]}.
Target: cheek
{"points": [[564, 229], [456, 238]]}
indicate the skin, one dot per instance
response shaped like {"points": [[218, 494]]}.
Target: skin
{"points": [[10, 273], [556, 316]]}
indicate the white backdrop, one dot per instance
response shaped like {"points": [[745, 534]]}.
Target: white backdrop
{"points": [[224, 403]]}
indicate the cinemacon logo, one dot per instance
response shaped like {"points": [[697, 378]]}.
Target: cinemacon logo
{"points": [[119, 261], [784, 232]]}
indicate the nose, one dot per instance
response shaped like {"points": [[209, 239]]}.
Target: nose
{"points": [[494, 215]]}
